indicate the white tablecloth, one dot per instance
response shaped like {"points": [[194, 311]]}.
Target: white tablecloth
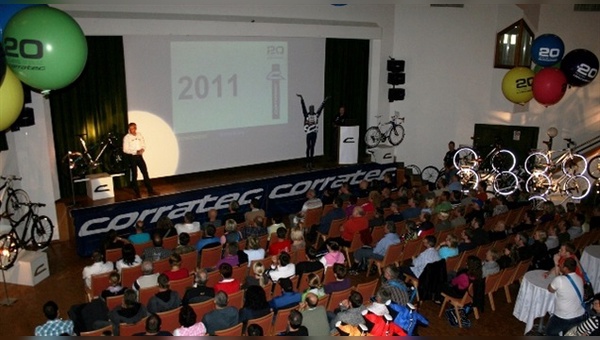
{"points": [[534, 299], [590, 261]]}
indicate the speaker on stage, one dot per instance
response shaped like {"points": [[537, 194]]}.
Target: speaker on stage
{"points": [[395, 94], [26, 118], [396, 78], [394, 65]]}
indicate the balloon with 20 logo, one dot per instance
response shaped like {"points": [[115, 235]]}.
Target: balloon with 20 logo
{"points": [[580, 66], [45, 48]]}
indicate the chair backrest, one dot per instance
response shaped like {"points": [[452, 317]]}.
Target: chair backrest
{"points": [[242, 244], [97, 332], [195, 237], [281, 320], [465, 255], [392, 254], [189, 261], [323, 300], [522, 268], [99, 282], [210, 257], [169, 320], [232, 331], [219, 231], [129, 275], [452, 263], [367, 289], [139, 247], [161, 266], [491, 282], [113, 255], [213, 278], [336, 297], [126, 329], [239, 273], [400, 227], [482, 250], [171, 242], [507, 276], [329, 276], [354, 245], [411, 248], [500, 244], [299, 255], [114, 301], [264, 322], [268, 288], [263, 240], [267, 261], [145, 294], [181, 285], [326, 208], [303, 284], [277, 289], [377, 234], [441, 237], [387, 212], [201, 308], [236, 299], [312, 216], [334, 229]]}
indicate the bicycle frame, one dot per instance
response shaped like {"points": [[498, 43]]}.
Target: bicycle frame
{"points": [[28, 220]]}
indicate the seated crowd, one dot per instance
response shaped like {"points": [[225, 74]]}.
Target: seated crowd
{"points": [[291, 269]]}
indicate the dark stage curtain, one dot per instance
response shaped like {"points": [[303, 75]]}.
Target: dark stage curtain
{"points": [[346, 81], [94, 104]]}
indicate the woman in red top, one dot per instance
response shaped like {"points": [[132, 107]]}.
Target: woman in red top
{"points": [[353, 225], [228, 284], [176, 272]]}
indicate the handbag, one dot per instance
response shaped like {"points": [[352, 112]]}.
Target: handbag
{"points": [[454, 319]]}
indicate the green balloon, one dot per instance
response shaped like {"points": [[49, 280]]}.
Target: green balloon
{"points": [[45, 47]]}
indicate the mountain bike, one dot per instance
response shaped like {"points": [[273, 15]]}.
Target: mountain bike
{"points": [[12, 198], [36, 234], [108, 156], [570, 163], [394, 132]]}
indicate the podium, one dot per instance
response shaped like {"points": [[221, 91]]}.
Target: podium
{"points": [[348, 144], [100, 186]]}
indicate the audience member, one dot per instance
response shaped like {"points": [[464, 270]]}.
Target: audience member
{"points": [[576, 228], [429, 255], [362, 255], [199, 292], [281, 244], [342, 282], [490, 266], [255, 305], [393, 284], [498, 232], [114, 288], [288, 297], [54, 325], [510, 256], [466, 242], [130, 311], [465, 276], [314, 316], [156, 252], [277, 223], [228, 284], [349, 312], [184, 245], [282, 267], [314, 286], [333, 255], [176, 272], [166, 299], [222, 317], [254, 330], [591, 326], [140, 236], [254, 251], [189, 326], [256, 227], [189, 224], [312, 202], [378, 306], [113, 241], [352, 201], [211, 219], [259, 278], [413, 211], [295, 327], [231, 233], [568, 309], [521, 241], [234, 213], [98, 267], [449, 247], [149, 277], [480, 236], [153, 324], [311, 265], [230, 256], [552, 239], [208, 240], [165, 227], [255, 211], [129, 259]]}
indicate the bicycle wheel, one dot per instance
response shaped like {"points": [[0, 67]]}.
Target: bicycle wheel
{"points": [[538, 184], [430, 174], [505, 183], [9, 250], [537, 202], [577, 187], [373, 137], [74, 163], [15, 205], [503, 160], [465, 158], [114, 161], [396, 135], [41, 232], [415, 170], [575, 165], [536, 162], [468, 178], [594, 167]]}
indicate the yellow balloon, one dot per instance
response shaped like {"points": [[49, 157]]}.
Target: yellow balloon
{"points": [[516, 85], [11, 99]]}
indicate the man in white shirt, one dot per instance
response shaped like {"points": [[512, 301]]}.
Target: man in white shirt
{"points": [[568, 309], [188, 225], [429, 255], [134, 146], [98, 267], [312, 201]]}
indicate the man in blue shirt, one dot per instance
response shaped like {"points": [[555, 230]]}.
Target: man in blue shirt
{"points": [[208, 239], [140, 236], [334, 214], [288, 297], [365, 253], [54, 326], [412, 211]]}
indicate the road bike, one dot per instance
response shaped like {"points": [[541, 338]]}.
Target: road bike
{"points": [[36, 234], [108, 156], [570, 163], [394, 132], [12, 198]]}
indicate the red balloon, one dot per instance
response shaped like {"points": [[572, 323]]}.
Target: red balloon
{"points": [[549, 86]]}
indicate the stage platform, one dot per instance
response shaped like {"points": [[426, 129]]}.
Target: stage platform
{"points": [[280, 187]]}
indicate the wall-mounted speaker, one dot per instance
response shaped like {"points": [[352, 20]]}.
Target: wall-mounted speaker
{"points": [[394, 65], [26, 118], [396, 78], [396, 94]]}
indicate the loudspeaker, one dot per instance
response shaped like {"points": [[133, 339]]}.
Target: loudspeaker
{"points": [[395, 94], [394, 65], [26, 118], [396, 78]]}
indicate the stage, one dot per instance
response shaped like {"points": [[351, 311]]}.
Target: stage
{"points": [[280, 187]]}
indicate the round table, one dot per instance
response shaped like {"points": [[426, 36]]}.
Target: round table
{"points": [[590, 261], [534, 299]]}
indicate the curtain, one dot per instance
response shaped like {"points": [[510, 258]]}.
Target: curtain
{"points": [[346, 81], [94, 104]]}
